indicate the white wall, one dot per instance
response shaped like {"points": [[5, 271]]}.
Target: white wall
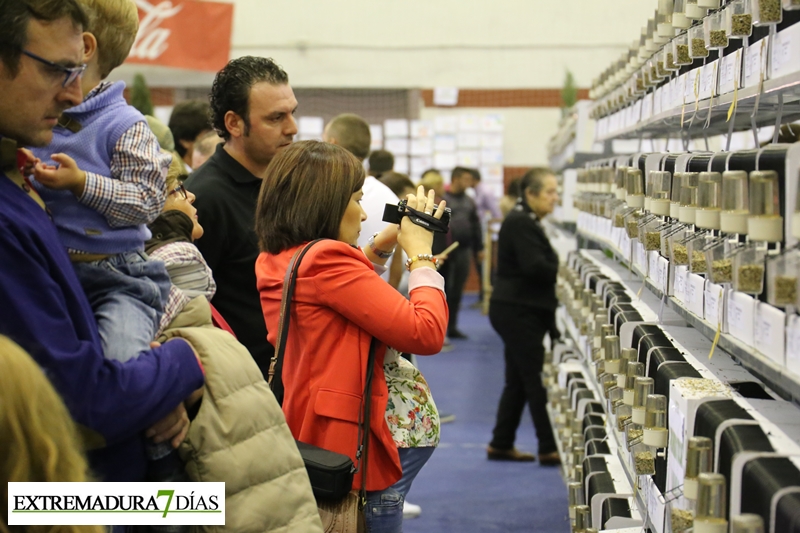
{"points": [[428, 43]]}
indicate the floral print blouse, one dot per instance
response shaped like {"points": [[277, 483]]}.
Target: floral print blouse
{"points": [[411, 412]]}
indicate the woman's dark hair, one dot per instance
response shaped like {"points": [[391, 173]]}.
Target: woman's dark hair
{"points": [[304, 194], [397, 182], [533, 180], [231, 89], [15, 16]]}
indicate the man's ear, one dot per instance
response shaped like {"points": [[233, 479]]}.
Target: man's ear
{"points": [[234, 124], [89, 46]]}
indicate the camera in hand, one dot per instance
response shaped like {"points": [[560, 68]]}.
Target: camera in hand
{"points": [[395, 213]]}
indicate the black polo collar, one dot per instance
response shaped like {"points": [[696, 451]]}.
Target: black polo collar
{"points": [[232, 167]]}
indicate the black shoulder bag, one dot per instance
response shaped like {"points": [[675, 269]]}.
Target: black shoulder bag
{"points": [[330, 473]]}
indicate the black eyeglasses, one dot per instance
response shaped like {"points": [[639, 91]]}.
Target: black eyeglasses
{"points": [[70, 73], [180, 189]]}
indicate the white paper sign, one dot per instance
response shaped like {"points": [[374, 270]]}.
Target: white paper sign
{"points": [[468, 158], [658, 100], [714, 303], [695, 287], [492, 123], [421, 147], [491, 156], [793, 345], [401, 164], [469, 122], [421, 164], [641, 257], [625, 246], [679, 287], [492, 174], [771, 328], [652, 268], [469, 141], [782, 55], [445, 96], [376, 133], [647, 107], [444, 143], [753, 64], [740, 316], [689, 87], [663, 274], [395, 128], [444, 161], [656, 507], [729, 68], [492, 140], [708, 80], [421, 129], [446, 124], [397, 146]]}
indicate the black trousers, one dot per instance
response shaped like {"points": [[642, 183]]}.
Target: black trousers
{"points": [[522, 330], [455, 273]]}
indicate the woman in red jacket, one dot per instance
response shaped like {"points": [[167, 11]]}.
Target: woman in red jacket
{"points": [[312, 190]]}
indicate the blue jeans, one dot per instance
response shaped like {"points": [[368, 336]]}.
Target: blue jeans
{"points": [[384, 512], [127, 293], [412, 460]]}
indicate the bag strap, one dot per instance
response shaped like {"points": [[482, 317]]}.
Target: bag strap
{"points": [[274, 377], [276, 368], [363, 423]]}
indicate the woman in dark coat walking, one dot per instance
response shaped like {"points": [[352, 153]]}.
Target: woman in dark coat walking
{"points": [[522, 310]]}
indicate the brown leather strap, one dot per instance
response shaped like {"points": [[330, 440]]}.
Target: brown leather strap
{"points": [[285, 300]]}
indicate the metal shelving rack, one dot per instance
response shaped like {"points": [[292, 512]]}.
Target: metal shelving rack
{"points": [[778, 379]]}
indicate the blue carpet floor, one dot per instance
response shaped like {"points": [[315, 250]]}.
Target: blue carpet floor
{"points": [[459, 490]]}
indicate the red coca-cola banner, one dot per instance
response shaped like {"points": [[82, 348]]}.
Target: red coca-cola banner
{"points": [[184, 34]]}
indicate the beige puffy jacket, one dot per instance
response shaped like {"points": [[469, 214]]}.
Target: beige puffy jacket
{"points": [[240, 436]]}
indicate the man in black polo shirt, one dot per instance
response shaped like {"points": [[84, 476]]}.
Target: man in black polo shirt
{"points": [[252, 108]]}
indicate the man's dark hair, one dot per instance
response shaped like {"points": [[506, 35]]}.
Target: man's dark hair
{"points": [[397, 182], [231, 89], [15, 16], [475, 174], [380, 161], [458, 172], [188, 120]]}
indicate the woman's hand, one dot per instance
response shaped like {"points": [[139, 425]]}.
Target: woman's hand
{"points": [[416, 240]]}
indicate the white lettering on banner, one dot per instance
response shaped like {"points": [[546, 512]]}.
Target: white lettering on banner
{"points": [[151, 41]]}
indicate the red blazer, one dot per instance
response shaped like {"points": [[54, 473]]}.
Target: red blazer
{"points": [[340, 303]]}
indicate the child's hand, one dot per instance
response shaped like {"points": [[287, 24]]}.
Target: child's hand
{"points": [[65, 176], [26, 162]]}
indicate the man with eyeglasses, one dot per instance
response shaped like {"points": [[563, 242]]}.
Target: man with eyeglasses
{"points": [[44, 308]]}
